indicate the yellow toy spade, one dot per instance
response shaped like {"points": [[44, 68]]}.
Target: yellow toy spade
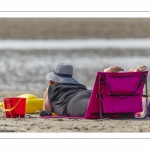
{"points": [[1, 104]]}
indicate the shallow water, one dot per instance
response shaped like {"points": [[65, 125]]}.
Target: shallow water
{"points": [[66, 44], [26, 69]]}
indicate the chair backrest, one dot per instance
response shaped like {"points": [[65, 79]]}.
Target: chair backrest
{"points": [[116, 93]]}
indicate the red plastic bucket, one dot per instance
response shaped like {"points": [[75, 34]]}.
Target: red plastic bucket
{"points": [[14, 107]]}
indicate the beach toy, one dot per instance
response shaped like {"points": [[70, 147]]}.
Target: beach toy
{"points": [[14, 107], [33, 103], [1, 104]]}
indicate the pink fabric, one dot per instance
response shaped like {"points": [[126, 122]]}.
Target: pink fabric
{"points": [[124, 84], [61, 117]]}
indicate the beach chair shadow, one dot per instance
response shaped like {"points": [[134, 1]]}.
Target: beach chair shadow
{"points": [[118, 95], [115, 95]]}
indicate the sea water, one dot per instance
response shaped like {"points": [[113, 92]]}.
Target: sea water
{"points": [[25, 63], [67, 44]]}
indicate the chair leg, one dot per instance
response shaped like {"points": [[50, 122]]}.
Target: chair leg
{"points": [[146, 99], [100, 97]]}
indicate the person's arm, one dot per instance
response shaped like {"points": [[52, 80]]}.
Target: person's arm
{"points": [[46, 104]]}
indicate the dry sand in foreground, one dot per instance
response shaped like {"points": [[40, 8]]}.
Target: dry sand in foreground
{"points": [[32, 123]]}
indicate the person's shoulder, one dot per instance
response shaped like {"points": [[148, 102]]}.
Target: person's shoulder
{"points": [[81, 86]]}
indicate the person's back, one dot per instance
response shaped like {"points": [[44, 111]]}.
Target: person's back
{"points": [[61, 93]]}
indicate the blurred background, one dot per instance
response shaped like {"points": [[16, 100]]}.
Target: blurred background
{"points": [[32, 47]]}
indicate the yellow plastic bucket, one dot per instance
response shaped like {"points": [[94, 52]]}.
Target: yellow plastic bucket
{"points": [[33, 103]]}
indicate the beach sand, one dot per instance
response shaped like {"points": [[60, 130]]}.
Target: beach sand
{"points": [[32, 123], [11, 28], [72, 28]]}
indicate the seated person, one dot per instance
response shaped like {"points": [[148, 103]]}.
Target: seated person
{"points": [[65, 95]]}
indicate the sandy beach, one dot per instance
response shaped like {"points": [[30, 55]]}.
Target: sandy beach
{"points": [[32, 123], [13, 28]]}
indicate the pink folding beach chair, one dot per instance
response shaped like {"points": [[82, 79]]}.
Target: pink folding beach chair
{"points": [[117, 95]]}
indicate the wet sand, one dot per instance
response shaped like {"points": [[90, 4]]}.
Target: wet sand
{"points": [[70, 28]]}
